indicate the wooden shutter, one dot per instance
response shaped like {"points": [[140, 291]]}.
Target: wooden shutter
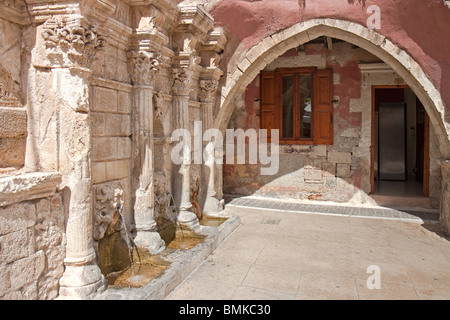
{"points": [[268, 86], [323, 106]]}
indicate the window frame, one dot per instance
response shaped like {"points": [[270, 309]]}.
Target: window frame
{"points": [[322, 108], [278, 110]]}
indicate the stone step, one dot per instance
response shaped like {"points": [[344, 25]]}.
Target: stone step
{"points": [[419, 214]]}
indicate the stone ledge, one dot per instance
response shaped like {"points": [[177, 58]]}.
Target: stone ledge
{"points": [[28, 186]]}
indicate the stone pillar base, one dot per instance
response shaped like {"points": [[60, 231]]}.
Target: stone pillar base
{"points": [[213, 205], [150, 240], [188, 220], [81, 282]]}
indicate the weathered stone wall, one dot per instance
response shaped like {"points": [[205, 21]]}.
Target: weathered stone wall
{"points": [[445, 200], [32, 237], [339, 172], [111, 136], [13, 118]]}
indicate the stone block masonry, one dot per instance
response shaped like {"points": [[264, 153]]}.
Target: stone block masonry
{"points": [[32, 239], [13, 131], [111, 131]]}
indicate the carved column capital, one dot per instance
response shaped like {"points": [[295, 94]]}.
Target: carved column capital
{"points": [[71, 43], [142, 66], [182, 81], [208, 88]]}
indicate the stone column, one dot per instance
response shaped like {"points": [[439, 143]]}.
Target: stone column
{"points": [[143, 65], [445, 197], [208, 88], [66, 48], [211, 53], [181, 173]]}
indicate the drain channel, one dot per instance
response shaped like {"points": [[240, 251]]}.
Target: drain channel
{"points": [[270, 221]]}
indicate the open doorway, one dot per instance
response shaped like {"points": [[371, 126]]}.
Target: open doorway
{"points": [[400, 143]]}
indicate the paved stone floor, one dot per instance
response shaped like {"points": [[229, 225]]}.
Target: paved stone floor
{"points": [[291, 254]]}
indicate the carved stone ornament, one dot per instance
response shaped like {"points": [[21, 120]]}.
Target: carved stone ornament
{"points": [[150, 18], [182, 80], [108, 200], [159, 105], [207, 90], [70, 43], [7, 89], [142, 66]]}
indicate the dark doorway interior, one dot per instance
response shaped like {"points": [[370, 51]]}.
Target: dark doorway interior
{"points": [[400, 143]]}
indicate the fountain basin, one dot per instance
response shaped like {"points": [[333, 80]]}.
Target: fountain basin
{"points": [[182, 263]]}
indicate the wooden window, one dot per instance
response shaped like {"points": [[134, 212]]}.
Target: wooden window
{"points": [[298, 102]]}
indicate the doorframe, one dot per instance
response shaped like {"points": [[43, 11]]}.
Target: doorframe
{"points": [[426, 156], [426, 160]]}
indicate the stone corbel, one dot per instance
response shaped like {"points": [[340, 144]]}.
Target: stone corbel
{"points": [[195, 20], [212, 48], [184, 46], [194, 23], [148, 22], [148, 18], [215, 40]]}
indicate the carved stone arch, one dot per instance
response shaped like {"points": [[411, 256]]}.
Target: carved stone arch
{"points": [[256, 58]]}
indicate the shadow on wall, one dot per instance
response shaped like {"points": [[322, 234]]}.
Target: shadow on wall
{"points": [[300, 176]]}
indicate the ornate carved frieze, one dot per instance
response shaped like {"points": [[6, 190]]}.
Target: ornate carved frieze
{"points": [[69, 43], [142, 66]]}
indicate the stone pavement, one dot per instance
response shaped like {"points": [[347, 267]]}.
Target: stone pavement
{"points": [[283, 253]]}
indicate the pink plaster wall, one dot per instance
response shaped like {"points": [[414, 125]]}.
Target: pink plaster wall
{"points": [[420, 27], [245, 179]]}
